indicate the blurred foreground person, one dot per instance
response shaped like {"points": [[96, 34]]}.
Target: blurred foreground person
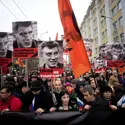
{"points": [[8, 102]]}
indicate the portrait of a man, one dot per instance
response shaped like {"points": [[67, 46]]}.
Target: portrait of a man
{"points": [[100, 63], [4, 46], [116, 53], [23, 33], [50, 53], [103, 51]]}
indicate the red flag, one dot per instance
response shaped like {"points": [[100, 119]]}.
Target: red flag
{"points": [[78, 55], [56, 36]]}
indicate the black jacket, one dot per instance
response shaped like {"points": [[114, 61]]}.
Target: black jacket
{"points": [[43, 100]]}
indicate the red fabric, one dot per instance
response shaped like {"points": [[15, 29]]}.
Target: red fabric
{"points": [[14, 104], [77, 51]]}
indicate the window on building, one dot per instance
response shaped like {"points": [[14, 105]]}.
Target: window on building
{"points": [[115, 26], [102, 24], [122, 37], [114, 11], [106, 33], [112, 1], [95, 31], [120, 22], [119, 5], [116, 39], [103, 35], [104, 10]]}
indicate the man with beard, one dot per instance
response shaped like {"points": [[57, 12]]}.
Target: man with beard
{"points": [[50, 53], [23, 34], [4, 52]]}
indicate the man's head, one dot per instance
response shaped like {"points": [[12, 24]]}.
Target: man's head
{"points": [[103, 51], [100, 62], [58, 85], [23, 33], [50, 53], [5, 92], [116, 51], [3, 44], [88, 93], [36, 87]]}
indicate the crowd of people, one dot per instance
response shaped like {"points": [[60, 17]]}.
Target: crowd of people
{"points": [[103, 91]]}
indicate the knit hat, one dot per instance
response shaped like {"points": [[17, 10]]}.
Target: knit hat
{"points": [[67, 84], [36, 85]]}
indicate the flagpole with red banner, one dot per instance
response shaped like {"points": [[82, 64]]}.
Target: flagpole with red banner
{"points": [[77, 51]]}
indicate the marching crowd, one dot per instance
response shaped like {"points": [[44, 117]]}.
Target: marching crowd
{"points": [[104, 91]]}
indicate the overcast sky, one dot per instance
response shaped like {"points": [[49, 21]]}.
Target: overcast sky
{"points": [[45, 12]]}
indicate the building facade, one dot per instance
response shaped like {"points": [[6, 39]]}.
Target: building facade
{"points": [[104, 23]]}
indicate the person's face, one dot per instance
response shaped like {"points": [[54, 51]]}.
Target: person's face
{"points": [[73, 85], [81, 89], [88, 45], [4, 95], [3, 46], [24, 89], [24, 37], [103, 51], [107, 95], [36, 92], [88, 97], [114, 51], [58, 85], [100, 63], [119, 51], [49, 83], [65, 99], [50, 56], [87, 75], [91, 78], [92, 84]]}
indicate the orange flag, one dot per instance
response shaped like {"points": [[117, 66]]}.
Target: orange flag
{"points": [[78, 55], [56, 36]]}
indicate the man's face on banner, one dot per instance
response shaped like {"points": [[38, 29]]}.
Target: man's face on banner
{"points": [[50, 56], [115, 54], [3, 46], [24, 37], [103, 51], [88, 45], [100, 63]]}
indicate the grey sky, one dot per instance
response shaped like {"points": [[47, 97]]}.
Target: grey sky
{"points": [[45, 12]]}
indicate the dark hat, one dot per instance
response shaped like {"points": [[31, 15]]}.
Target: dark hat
{"points": [[24, 84], [106, 89], [36, 85]]}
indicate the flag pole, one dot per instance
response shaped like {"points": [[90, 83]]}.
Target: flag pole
{"points": [[1, 76], [26, 71]]}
